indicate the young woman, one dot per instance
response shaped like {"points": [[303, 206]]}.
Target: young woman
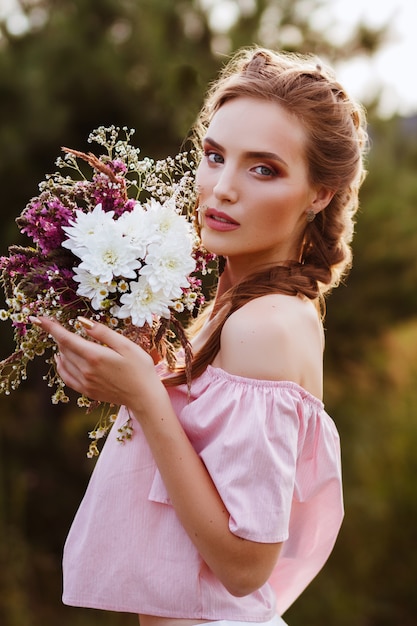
{"points": [[227, 500]]}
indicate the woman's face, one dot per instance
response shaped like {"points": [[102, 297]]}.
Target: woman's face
{"points": [[253, 184]]}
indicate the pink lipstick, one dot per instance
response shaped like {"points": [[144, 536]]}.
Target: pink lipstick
{"points": [[217, 220]]}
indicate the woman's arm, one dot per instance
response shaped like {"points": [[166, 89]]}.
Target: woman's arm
{"points": [[114, 369]]}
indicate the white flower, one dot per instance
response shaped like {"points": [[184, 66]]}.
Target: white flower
{"points": [[123, 286], [110, 255], [91, 287], [168, 266], [137, 229], [85, 227], [99, 433], [166, 221], [142, 303], [151, 244]]}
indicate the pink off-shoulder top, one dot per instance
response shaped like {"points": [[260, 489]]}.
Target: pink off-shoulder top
{"points": [[274, 455]]}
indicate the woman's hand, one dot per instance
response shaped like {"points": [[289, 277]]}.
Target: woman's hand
{"points": [[111, 368]]}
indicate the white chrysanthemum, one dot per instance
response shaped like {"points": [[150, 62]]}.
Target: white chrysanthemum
{"points": [[142, 304], [110, 255], [164, 220], [85, 227], [137, 229], [168, 266], [91, 287]]}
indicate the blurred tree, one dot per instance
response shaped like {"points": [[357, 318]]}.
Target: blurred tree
{"points": [[369, 578], [301, 26], [371, 376], [75, 65], [382, 282]]}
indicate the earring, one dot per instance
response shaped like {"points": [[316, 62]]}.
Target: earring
{"points": [[310, 215]]}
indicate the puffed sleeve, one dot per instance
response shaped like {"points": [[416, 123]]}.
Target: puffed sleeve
{"points": [[249, 434], [251, 456]]}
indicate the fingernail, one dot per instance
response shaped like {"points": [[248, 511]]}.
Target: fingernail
{"points": [[85, 322], [34, 320]]}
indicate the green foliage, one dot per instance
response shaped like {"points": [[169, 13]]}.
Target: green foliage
{"points": [[145, 64], [381, 287], [289, 25], [371, 374]]}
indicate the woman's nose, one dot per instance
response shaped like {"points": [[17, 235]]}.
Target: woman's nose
{"points": [[225, 188]]}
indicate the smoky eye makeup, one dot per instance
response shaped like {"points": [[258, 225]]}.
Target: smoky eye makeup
{"points": [[266, 171], [273, 166]]}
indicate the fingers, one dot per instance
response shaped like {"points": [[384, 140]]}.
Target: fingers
{"points": [[123, 346], [52, 327], [69, 374], [105, 335], [104, 339], [66, 339], [74, 352], [107, 368], [99, 332]]}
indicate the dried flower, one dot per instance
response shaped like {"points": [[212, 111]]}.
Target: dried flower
{"points": [[117, 245]]}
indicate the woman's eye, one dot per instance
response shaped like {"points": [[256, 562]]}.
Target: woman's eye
{"points": [[213, 157], [264, 170]]}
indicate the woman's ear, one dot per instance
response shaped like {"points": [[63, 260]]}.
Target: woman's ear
{"points": [[322, 199]]}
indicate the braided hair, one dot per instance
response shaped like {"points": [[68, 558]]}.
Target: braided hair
{"points": [[336, 144]]}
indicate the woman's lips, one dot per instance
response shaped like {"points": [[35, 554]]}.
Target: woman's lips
{"points": [[217, 220]]}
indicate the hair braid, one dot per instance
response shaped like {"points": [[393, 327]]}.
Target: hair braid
{"points": [[335, 148]]}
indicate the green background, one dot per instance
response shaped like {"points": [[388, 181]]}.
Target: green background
{"points": [[145, 64]]}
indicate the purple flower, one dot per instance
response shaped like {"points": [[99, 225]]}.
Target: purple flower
{"points": [[118, 166], [110, 195], [43, 219]]}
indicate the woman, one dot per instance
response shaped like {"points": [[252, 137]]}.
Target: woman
{"points": [[227, 500]]}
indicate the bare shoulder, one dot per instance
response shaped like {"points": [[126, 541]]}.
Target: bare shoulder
{"points": [[275, 337]]}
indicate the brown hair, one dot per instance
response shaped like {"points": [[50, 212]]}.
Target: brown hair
{"points": [[335, 148]]}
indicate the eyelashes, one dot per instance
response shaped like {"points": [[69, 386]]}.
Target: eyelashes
{"points": [[211, 155], [265, 171]]}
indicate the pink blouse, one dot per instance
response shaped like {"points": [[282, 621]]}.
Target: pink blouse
{"points": [[274, 455]]}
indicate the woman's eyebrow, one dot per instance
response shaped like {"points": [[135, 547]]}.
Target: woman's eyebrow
{"points": [[213, 143], [252, 154]]}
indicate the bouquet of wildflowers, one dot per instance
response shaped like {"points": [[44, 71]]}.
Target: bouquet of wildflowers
{"points": [[116, 244]]}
